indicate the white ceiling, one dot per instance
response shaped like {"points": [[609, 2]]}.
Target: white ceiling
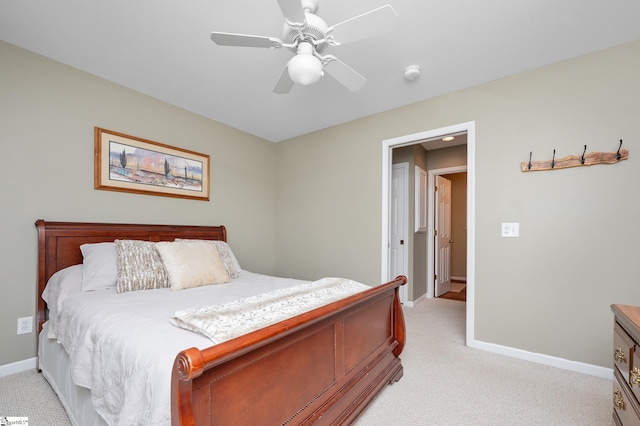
{"points": [[439, 143], [162, 48]]}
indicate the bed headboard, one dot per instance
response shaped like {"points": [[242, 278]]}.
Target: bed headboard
{"points": [[59, 244]]}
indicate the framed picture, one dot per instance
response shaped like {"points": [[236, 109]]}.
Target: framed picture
{"points": [[130, 164]]}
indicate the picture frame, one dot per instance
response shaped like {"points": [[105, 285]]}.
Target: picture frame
{"points": [[127, 163]]}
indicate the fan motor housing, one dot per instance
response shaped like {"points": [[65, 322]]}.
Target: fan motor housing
{"points": [[315, 29]]}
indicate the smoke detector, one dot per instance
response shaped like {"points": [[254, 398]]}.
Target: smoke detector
{"points": [[412, 72]]}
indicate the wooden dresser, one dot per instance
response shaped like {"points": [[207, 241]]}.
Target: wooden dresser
{"points": [[626, 361]]}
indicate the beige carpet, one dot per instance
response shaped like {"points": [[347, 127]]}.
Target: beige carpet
{"points": [[28, 394], [444, 383], [447, 383]]}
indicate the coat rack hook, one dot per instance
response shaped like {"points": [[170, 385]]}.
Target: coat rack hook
{"points": [[583, 152], [618, 156], [553, 160], [529, 165]]}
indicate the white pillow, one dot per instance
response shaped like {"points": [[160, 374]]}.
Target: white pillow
{"points": [[192, 264], [100, 270]]}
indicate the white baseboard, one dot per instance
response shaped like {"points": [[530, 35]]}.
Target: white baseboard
{"points": [[413, 304], [18, 367], [565, 364], [459, 279], [551, 361]]}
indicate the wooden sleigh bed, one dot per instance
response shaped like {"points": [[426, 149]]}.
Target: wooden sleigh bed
{"points": [[320, 367]]}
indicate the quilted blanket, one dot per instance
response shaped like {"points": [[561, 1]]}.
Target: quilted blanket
{"points": [[227, 321]]}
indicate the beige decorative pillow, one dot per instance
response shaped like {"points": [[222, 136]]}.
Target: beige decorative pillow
{"points": [[226, 255], [139, 266], [192, 264]]}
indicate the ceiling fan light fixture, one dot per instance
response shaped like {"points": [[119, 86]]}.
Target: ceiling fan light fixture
{"points": [[308, 36], [305, 68]]}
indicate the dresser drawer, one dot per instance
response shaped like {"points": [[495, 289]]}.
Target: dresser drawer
{"points": [[623, 351], [624, 404], [634, 374]]}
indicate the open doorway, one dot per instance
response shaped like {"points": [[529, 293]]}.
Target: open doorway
{"points": [[416, 293], [447, 227]]}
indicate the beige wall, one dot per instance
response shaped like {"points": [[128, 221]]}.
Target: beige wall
{"points": [[419, 243], [318, 197], [546, 292], [47, 115]]}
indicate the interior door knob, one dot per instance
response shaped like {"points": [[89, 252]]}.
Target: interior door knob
{"points": [[401, 242]]}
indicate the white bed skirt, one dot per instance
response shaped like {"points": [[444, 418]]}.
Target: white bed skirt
{"points": [[76, 400]]}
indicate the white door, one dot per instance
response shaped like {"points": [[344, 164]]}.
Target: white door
{"points": [[443, 236], [397, 224]]}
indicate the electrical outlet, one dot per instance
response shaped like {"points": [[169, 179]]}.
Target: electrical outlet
{"points": [[25, 325]]}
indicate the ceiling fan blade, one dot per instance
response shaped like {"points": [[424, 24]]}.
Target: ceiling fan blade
{"points": [[284, 83], [345, 75], [375, 22], [292, 11], [244, 40]]}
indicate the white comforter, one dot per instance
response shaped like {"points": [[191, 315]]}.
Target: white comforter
{"points": [[122, 346]]}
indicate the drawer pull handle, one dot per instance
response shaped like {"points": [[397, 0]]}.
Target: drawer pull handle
{"points": [[618, 399], [619, 355], [634, 380]]}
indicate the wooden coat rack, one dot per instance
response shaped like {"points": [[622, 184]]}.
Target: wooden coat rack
{"points": [[589, 159]]}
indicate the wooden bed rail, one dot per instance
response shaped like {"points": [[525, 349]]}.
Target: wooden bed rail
{"points": [[202, 379], [220, 353]]}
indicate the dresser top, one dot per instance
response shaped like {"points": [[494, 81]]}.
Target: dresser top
{"points": [[631, 312], [629, 318]]}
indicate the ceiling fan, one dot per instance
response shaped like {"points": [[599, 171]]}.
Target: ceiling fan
{"points": [[309, 36]]}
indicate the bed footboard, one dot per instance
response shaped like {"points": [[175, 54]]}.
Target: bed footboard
{"points": [[320, 367]]}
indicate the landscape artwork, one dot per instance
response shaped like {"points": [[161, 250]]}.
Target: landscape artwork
{"points": [[129, 164]]}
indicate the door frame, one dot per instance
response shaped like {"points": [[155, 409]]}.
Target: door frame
{"points": [[412, 139], [431, 222]]}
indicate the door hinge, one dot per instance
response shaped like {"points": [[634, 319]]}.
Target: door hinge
{"points": [[435, 233], [435, 277], [436, 189]]}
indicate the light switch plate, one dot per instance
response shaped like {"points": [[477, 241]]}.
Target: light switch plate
{"points": [[511, 230]]}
